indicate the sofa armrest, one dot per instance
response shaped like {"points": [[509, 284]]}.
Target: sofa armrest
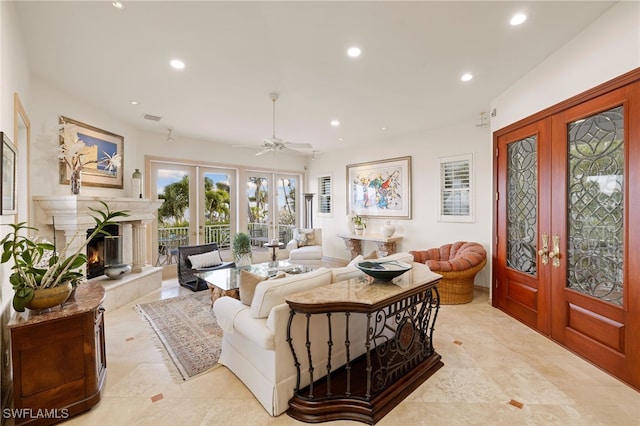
{"points": [[292, 245], [225, 310]]}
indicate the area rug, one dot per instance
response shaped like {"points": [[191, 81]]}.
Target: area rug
{"points": [[187, 330]]}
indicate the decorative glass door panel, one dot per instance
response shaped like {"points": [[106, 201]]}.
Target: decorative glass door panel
{"points": [[595, 243], [522, 205]]}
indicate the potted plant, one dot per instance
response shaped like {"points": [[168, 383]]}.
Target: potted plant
{"points": [[358, 224], [42, 277], [241, 249]]}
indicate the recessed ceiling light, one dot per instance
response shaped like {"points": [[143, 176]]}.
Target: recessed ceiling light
{"points": [[466, 76], [117, 4], [384, 128], [177, 64], [335, 123], [354, 52], [339, 139], [134, 102], [518, 19]]}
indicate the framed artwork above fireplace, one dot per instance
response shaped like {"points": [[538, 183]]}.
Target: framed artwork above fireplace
{"points": [[100, 144]]}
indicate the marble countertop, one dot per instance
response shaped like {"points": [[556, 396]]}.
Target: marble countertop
{"points": [[363, 294], [87, 297]]}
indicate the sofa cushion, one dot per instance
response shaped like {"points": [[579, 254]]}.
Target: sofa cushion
{"points": [[205, 260], [306, 253], [273, 292]]}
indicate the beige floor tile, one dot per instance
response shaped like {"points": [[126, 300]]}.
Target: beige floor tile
{"points": [[490, 359]]}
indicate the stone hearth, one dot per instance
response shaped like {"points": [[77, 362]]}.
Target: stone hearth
{"points": [[72, 218]]}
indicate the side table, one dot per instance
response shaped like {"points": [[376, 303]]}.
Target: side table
{"points": [[274, 247], [385, 245]]}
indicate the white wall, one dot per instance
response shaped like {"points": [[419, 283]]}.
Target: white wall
{"points": [[606, 49], [423, 230], [14, 77], [48, 103]]}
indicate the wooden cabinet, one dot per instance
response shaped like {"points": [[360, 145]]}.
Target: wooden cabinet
{"points": [[59, 359]]}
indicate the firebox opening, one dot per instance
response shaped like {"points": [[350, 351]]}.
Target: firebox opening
{"points": [[95, 252]]}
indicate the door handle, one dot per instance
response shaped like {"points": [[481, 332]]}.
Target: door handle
{"points": [[544, 251], [555, 254]]}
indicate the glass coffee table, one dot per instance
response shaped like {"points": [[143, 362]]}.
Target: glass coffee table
{"points": [[225, 282]]}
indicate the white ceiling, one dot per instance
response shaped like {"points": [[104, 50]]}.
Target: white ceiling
{"points": [[236, 53]]}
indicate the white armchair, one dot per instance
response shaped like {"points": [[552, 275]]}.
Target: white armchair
{"points": [[306, 247]]}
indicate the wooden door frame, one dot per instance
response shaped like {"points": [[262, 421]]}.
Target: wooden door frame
{"points": [[631, 370]]}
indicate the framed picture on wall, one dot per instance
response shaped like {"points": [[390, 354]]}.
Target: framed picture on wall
{"points": [[380, 188], [8, 171], [100, 146]]}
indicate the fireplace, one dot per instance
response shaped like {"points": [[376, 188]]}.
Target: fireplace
{"points": [[96, 251]]}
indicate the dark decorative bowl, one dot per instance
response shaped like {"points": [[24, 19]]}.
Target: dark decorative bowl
{"points": [[383, 271]]}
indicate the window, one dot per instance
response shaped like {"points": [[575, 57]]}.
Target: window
{"points": [[324, 194], [456, 185]]}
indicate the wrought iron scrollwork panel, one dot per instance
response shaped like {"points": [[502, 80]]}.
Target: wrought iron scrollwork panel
{"points": [[402, 335]]}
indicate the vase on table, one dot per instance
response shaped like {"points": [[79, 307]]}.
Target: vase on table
{"points": [[388, 229], [243, 259], [75, 180]]}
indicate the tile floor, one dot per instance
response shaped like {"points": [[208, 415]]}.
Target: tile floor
{"points": [[497, 371]]}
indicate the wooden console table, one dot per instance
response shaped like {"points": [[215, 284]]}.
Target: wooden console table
{"points": [[386, 245], [398, 346], [59, 358]]}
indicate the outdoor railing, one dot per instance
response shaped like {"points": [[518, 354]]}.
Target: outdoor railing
{"points": [[221, 234]]}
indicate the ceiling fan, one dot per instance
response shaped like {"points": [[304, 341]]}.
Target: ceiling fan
{"points": [[274, 144]]}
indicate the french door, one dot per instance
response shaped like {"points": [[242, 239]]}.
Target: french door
{"points": [[567, 241], [272, 206], [198, 205]]}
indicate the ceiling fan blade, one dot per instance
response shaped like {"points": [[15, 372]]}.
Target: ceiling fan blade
{"points": [[296, 145]]}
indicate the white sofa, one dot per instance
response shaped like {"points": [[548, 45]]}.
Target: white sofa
{"points": [[307, 254], [254, 342]]}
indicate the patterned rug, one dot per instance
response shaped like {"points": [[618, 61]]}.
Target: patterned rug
{"points": [[187, 330]]}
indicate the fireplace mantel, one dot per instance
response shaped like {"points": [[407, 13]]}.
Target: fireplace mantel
{"points": [[73, 216], [73, 210]]}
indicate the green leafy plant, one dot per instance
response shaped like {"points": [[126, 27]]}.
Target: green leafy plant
{"points": [[241, 244], [38, 265], [359, 221]]}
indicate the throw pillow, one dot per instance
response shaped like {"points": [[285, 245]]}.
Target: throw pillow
{"points": [[247, 286], [205, 260], [305, 237]]}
